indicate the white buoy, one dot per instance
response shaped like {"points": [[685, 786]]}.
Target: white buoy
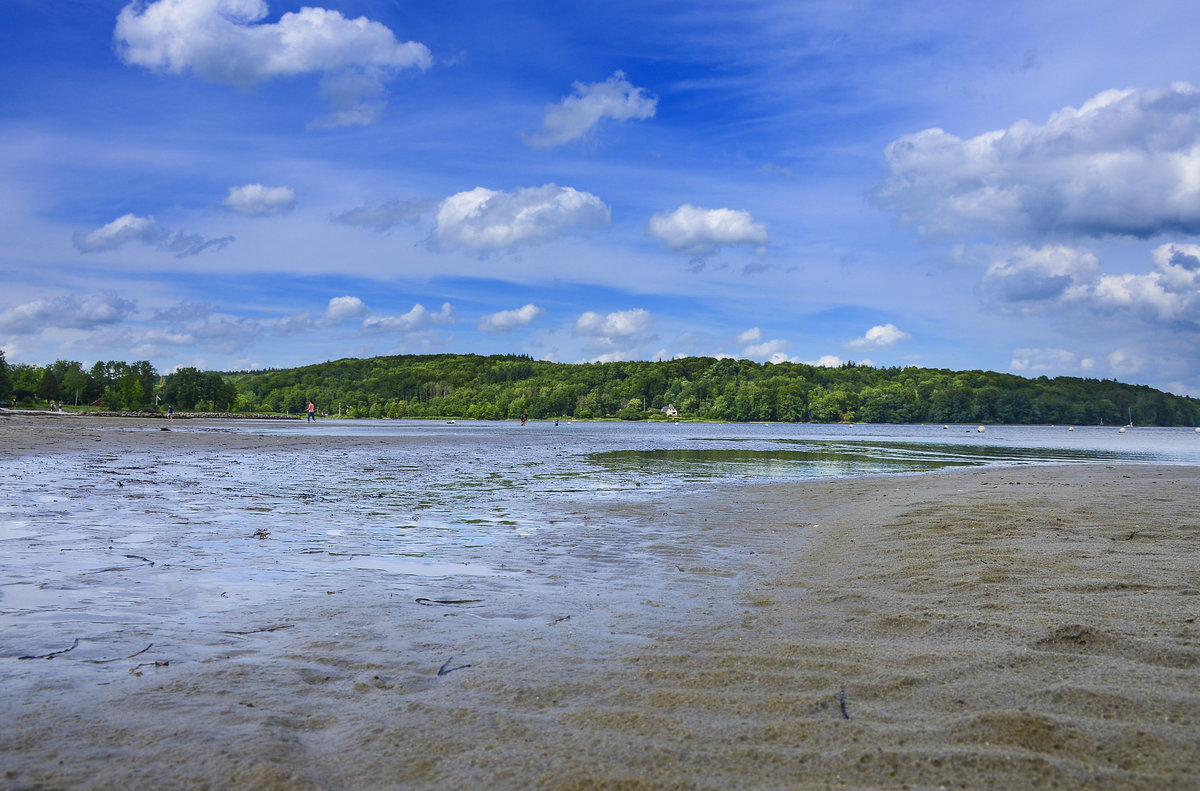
{"points": [[981, 429], [945, 427], [1198, 431], [1072, 428], [1121, 430]]}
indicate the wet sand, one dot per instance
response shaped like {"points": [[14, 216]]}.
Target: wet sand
{"points": [[1026, 627]]}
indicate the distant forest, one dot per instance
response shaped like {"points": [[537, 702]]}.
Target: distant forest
{"points": [[507, 386], [701, 388]]}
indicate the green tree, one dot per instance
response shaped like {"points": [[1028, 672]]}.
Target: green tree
{"points": [[25, 381], [48, 386], [74, 381], [5, 379]]}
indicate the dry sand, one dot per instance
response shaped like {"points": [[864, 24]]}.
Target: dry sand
{"points": [[1029, 627]]}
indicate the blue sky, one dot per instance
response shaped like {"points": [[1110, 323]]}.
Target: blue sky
{"points": [[241, 183]]}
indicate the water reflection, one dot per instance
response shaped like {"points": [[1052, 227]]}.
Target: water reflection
{"points": [[822, 459]]}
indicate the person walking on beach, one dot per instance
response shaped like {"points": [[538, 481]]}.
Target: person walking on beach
{"points": [[312, 413]]}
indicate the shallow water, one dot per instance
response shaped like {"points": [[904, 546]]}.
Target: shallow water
{"points": [[110, 545]]}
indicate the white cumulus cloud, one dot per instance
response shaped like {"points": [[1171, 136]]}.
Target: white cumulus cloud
{"points": [[1124, 163], [225, 41], [508, 320], [484, 220], [342, 309], [1030, 274], [750, 336], [577, 114], [882, 336], [698, 231], [619, 324], [255, 200], [1056, 277], [419, 318]]}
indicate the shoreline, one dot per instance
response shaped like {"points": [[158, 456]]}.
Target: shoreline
{"points": [[985, 628], [139, 415]]}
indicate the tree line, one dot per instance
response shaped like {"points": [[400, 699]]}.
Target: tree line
{"points": [[510, 386], [113, 384]]}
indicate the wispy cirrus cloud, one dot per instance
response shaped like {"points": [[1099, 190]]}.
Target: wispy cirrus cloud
{"points": [[382, 215], [145, 230]]}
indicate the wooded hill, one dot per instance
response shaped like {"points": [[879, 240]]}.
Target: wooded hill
{"points": [[507, 386]]}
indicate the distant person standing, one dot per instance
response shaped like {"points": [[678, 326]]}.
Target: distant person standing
{"points": [[170, 411], [312, 412]]}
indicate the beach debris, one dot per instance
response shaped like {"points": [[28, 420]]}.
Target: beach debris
{"points": [[445, 668], [1128, 537], [120, 658], [842, 703], [145, 561], [137, 669], [261, 533], [52, 654], [274, 628], [431, 602]]}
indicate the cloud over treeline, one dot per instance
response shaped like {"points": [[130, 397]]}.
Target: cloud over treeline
{"points": [[1056, 277], [74, 311]]}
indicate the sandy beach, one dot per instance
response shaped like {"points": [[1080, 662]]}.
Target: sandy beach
{"points": [[1020, 627]]}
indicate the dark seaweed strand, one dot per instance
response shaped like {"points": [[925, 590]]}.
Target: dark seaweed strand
{"points": [[52, 654]]}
